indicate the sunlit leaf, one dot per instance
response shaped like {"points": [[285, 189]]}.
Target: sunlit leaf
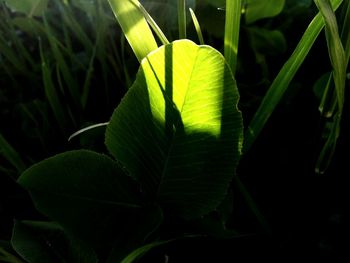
{"points": [[178, 130], [134, 26], [232, 30]]}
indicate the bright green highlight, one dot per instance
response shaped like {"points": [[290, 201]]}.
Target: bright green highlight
{"points": [[182, 139], [133, 22], [232, 27], [187, 90]]}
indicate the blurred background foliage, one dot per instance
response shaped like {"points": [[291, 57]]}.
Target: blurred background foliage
{"points": [[65, 65]]}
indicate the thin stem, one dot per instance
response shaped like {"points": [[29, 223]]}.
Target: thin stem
{"points": [[181, 12]]}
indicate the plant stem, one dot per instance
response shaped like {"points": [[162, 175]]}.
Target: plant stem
{"points": [[181, 12], [232, 26]]}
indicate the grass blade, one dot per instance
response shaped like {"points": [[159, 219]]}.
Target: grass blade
{"points": [[11, 155], [87, 129], [181, 12], [329, 101], [9, 33], [51, 93], [134, 26], [284, 77], [197, 26], [70, 81], [328, 149], [70, 20], [153, 25], [335, 49], [89, 72], [7, 257], [232, 26], [345, 35], [328, 104], [11, 56], [339, 64]]}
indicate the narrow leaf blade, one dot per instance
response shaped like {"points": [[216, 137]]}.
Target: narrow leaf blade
{"points": [[134, 26], [284, 77]]}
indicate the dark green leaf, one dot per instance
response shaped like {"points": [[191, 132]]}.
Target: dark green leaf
{"points": [[44, 242], [258, 9], [145, 231], [86, 192], [269, 42]]}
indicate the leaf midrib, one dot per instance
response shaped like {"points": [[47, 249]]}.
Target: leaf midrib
{"points": [[178, 122]]}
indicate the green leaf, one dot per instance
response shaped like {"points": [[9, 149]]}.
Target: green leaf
{"points": [[134, 26], [181, 10], [335, 49], [46, 242], [259, 9], [178, 130], [28, 7], [86, 192], [265, 41], [339, 64], [345, 33], [232, 27]]}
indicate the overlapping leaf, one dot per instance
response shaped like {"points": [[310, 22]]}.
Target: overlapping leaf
{"points": [[259, 9], [86, 192]]}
